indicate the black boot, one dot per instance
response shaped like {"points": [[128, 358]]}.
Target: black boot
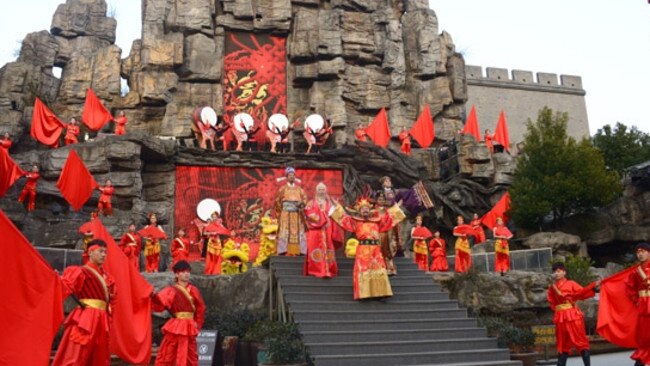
{"points": [[561, 359], [638, 363], [586, 359]]}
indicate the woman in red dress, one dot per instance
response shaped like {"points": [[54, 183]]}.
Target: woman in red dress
{"points": [[438, 249], [420, 234], [501, 250], [104, 205]]}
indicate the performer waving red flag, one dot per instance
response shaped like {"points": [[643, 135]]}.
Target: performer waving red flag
{"points": [[501, 135]]}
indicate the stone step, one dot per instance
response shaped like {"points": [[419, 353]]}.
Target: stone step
{"points": [[370, 305], [391, 346], [474, 356], [294, 278], [347, 272], [387, 324], [320, 336], [340, 294], [297, 285], [375, 314]]}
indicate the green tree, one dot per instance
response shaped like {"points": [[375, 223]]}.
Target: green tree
{"points": [[622, 147], [558, 176]]}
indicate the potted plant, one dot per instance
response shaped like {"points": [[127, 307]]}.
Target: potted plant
{"points": [[520, 341], [257, 335], [232, 325], [284, 345]]}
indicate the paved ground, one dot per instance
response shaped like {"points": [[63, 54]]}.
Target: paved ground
{"points": [[608, 359]]}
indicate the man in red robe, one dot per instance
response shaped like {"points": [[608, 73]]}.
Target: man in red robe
{"points": [[370, 279], [320, 260], [6, 143], [104, 205], [637, 288], [131, 244], [569, 320], [29, 191], [120, 124], [438, 249], [184, 302], [405, 139], [85, 339], [71, 132], [180, 248]]}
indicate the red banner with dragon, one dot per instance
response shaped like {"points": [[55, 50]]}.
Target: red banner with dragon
{"points": [[245, 196], [254, 78]]}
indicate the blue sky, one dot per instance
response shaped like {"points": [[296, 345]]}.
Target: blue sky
{"points": [[607, 43]]}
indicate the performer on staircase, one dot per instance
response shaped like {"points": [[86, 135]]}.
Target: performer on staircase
{"points": [[420, 235], [370, 279], [131, 245], [320, 260], [438, 249], [463, 262]]}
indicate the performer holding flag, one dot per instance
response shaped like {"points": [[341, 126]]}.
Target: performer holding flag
{"points": [[86, 336], [184, 302]]}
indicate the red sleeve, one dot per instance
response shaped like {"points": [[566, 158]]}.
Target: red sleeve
{"points": [[386, 223], [199, 313], [72, 280], [632, 285], [163, 300], [577, 292]]}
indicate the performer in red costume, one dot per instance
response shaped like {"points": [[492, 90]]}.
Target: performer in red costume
{"points": [[120, 124], [488, 137], [322, 135], [184, 302], [88, 232], [30, 188], [463, 261], [361, 134], [479, 236], [71, 132], [501, 249], [370, 279], [151, 234], [6, 143], [310, 138], [214, 231], [438, 249], [131, 244], [420, 235], [405, 139], [180, 247], [637, 288], [104, 205], [85, 339], [320, 260], [569, 320]]}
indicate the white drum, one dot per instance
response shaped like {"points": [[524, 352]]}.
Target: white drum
{"points": [[278, 121], [206, 207], [315, 122], [246, 118], [208, 116]]}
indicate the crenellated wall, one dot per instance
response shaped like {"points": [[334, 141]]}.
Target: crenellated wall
{"points": [[521, 94]]}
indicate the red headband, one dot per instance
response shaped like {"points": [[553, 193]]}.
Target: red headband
{"points": [[94, 247]]}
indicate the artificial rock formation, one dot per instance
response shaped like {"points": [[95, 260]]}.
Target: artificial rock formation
{"points": [[345, 60]]}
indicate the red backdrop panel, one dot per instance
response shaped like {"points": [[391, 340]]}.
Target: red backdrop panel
{"points": [[245, 196], [254, 78]]}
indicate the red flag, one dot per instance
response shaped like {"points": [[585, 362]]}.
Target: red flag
{"points": [[617, 315], [422, 130], [131, 330], [378, 130], [9, 172], [46, 126], [33, 307], [499, 210], [75, 182], [501, 133], [95, 115], [471, 125]]}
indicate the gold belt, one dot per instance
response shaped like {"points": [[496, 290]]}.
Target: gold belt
{"points": [[94, 303], [565, 306], [644, 293], [184, 315]]}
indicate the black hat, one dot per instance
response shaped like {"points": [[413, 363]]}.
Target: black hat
{"points": [[558, 265], [181, 266], [644, 246]]}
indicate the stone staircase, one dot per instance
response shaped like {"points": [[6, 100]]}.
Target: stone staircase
{"points": [[419, 325]]}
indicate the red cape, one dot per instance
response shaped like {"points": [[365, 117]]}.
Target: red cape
{"points": [[617, 315]]}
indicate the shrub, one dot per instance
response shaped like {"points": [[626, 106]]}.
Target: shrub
{"points": [[508, 335], [285, 346], [579, 269], [237, 323]]}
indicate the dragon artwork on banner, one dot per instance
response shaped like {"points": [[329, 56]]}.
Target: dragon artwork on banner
{"points": [[245, 196], [254, 78]]}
